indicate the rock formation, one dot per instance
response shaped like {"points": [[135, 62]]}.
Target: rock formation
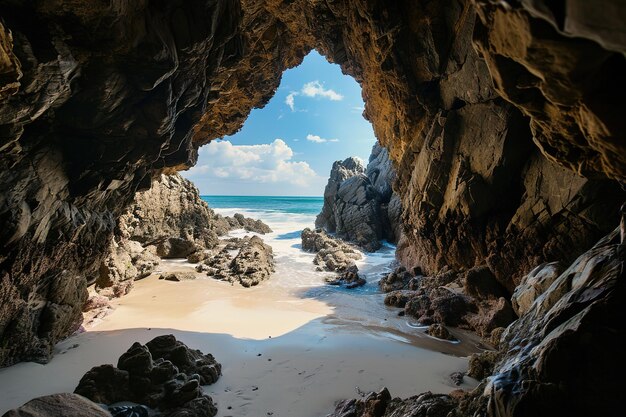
{"points": [[473, 300], [169, 220], [164, 374], [359, 204], [331, 254], [504, 121], [253, 263], [531, 371]]}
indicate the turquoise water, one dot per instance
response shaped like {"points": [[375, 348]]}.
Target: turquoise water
{"points": [[292, 205]]}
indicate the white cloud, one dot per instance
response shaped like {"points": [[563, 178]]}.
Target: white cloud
{"points": [[315, 88], [265, 163], [318, 139], [312, 89], [289, 100]]}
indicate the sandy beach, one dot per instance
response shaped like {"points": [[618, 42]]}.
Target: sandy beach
{"points": [[280, 354], [290, 346]]}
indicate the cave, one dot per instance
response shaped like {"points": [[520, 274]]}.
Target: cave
{"points": [[504, 122]]}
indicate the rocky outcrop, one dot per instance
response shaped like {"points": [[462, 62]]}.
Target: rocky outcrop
{"points": [[172, 208], [59, 405], [169, 220], [253, 263], [340, 171], [239, 221], [331, 254], [359, 204], [164, 374], [536, 369]]}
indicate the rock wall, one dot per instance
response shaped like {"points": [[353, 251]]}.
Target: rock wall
{"points": [[503, 151], [359, 204]]}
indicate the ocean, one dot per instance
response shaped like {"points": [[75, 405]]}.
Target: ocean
{"points": [[271, 204], [287, 216]]}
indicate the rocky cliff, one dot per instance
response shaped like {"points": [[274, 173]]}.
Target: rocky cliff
{"points": [[504, 121], [359, 204]]}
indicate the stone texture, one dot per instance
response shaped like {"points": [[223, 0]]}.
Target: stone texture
{"points": [[163, 374], [357, 201], [253, 263], [331, 254], [58, 405], [503, 152]]}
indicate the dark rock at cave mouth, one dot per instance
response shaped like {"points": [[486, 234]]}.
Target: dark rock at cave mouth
{"points": [[163, 374]]}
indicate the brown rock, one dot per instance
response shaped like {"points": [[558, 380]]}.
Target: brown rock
{"points": [[58, 405], [178, 276]]}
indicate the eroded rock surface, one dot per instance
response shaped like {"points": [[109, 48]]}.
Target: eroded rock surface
{"points": [[359, 204], [253, 263], [331, 254], [164, 374], [502, 152]]}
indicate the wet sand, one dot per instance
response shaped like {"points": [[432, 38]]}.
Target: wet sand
{"points": [[286, 352]]}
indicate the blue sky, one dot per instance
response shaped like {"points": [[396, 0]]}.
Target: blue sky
{"points": [[289, 146]]}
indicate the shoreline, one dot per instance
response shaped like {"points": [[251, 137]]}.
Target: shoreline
{"points": [[316, 353]]}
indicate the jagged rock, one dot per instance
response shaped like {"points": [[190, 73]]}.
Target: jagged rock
{"points": [[399, 298], [575, 317], [163, 374], [340, 171], [199, 256], [58, 405], [382, 405], [178, 276], [397, 280], [457, 378], [372, 405], [332, 254], [481, 365], [251, 225], [253, 263], [172, 209], [356, 201], [129, 411], [126, 261]]}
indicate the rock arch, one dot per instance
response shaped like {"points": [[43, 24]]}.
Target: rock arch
{"points": [[97, 98]]}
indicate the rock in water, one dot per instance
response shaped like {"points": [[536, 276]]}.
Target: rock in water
{"points": [[332, 254], [59, 405], [357, 201]]}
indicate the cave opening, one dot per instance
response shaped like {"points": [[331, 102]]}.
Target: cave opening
{"points": [[288, 146]]}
